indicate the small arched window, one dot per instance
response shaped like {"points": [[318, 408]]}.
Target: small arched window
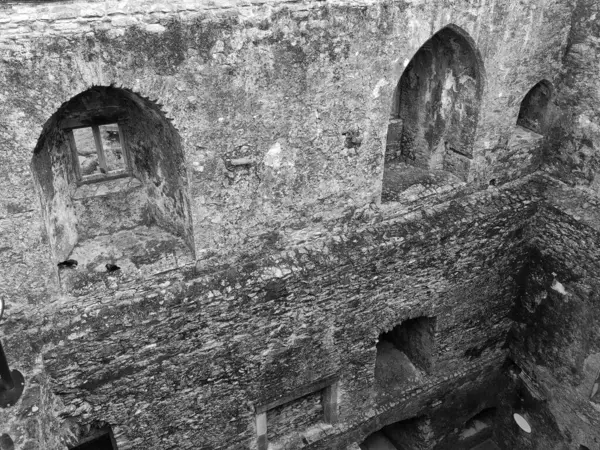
{"points": [[533, 114], [110, 171]]}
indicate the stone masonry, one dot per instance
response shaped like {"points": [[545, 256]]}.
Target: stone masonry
{"points": [[232, 283]]}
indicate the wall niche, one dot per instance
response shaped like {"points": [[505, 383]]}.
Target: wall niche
{"points": [[110, 172], [405, 353], [434, 115], [411, 434], [533, 113]]}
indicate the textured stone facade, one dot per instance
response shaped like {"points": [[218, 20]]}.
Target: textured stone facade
{"points": [[264, 128]]}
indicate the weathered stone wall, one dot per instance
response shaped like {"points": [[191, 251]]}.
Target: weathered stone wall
{"points": [[555, 339], [556, 336], [278, 85], [173, 352], [571, 155], [299, 269]]}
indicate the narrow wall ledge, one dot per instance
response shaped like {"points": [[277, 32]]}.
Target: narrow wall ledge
{"points": [[106, 188]]}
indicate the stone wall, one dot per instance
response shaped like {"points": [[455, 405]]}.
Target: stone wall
{"points": [[298, 268], [555, 340], [187, 350]]}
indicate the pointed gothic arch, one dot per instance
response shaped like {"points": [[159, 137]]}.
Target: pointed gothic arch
{"points": [[533, 113], [435, 108]]}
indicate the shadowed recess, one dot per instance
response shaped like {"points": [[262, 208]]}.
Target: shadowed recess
{"points": [[533, 113], [110, 171], [434, 112]]}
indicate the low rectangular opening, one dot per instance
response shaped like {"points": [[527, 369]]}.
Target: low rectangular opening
{"points": [[286, 420]]}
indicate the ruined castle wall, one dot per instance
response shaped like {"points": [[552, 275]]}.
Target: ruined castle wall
{"points": [[555, 339], [278, 85], [571, 154], [299, 269], [179, 361], [556, 331]]}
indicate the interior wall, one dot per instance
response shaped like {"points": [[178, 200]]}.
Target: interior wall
{"points": [[299, 268], [571, 153], [555, 337], [159, 162]]}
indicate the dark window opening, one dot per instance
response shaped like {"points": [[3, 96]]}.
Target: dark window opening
{"points": [[101, 440], [408, 434], [405, 352], [480, 426], [68, 264], [434, 115], [533, 113]]}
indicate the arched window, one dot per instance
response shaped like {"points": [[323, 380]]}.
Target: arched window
{"points": [[109, 169], [533, 114], [434, 112]]}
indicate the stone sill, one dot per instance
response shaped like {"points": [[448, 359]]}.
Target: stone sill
{"points": [[310, 435], [523, 137], [106, 188], [140, 253]]}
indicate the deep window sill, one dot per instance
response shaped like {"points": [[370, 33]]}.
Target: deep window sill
{"points": [[106, 188]]}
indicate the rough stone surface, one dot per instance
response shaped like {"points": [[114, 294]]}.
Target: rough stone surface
{"points": [[262, 128]]}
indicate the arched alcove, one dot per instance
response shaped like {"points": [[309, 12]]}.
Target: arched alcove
{"points": [[533, 113], [405, 354], [413, 433], [435, 111], [481, 424], [110, 172]]}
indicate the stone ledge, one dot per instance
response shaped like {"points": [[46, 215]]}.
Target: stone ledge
{"points": [[106, 188]]}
